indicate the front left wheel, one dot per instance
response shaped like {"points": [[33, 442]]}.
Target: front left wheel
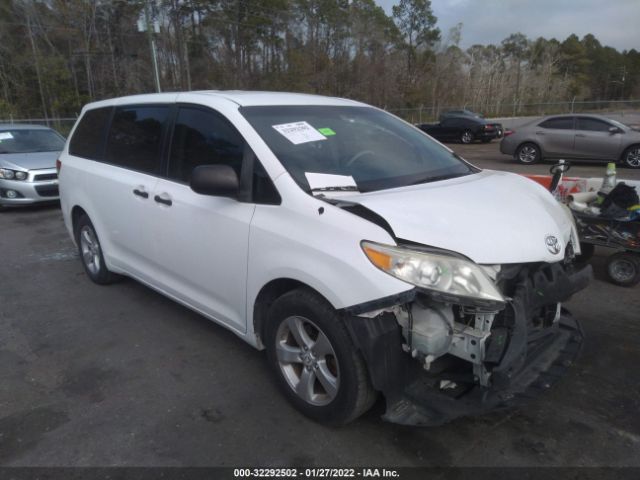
{"points": [[314, 359]]}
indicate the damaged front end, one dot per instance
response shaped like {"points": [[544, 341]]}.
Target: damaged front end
{"points": [[437, 357]]}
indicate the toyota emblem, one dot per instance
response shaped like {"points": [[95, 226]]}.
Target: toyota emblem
{"points": [[552, 244]]}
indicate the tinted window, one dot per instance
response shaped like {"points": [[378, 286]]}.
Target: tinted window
{"points": [[202, 137], [593, 125], [563, 123], [88, 138], [263, 190], [21, 140], [452, 122], [135, 137]]}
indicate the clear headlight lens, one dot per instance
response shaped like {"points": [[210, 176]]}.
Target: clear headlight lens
{"points": [[12, 174], [433, 271]]}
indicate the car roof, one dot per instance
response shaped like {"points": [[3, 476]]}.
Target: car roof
{"points": [[580, 115], [239, 97], [22, 126]]}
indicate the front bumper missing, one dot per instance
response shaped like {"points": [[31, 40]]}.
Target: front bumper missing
{"points": [[533, 360]]}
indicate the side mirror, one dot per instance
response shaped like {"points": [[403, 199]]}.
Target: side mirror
{"points": [[614, 130], [215, 180]]}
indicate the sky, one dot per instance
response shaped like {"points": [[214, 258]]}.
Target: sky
{"points": [[613, 22]]}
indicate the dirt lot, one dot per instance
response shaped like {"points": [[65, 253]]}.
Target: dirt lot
{"points": [[120, 375]]}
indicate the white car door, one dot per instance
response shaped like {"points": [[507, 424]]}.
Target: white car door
{"points": [[122, 186], [202, 241]]}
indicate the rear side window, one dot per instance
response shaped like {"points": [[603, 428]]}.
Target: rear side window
{"points": [[88, 138], [593, 125], [203, 137], [450, 122], [135, 137], [563, 123]]}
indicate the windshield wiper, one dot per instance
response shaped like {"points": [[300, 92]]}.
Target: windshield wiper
{"points": [[437, 178], [344, 188]]}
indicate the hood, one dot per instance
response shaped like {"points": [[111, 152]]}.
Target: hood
{"points": [[490, 217], [29, 161]]}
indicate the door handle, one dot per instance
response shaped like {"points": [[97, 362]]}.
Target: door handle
{"points": [[163, 200], [140, 193]]}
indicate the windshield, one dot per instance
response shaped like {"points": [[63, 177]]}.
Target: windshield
{"points": [[30, 140], [368, 147], [619, 125]]}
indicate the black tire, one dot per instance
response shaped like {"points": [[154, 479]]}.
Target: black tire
{"points": [[354, 394], [631, 157], [95, 267], [623, 269], [587, 250], [466, 137], [528, 154]]}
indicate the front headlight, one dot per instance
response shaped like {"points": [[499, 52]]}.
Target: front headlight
{"points": [[437, 272], [12, 174]]}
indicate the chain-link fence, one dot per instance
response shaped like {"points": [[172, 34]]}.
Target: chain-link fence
{"points": [[62, 125], [430, 114]]}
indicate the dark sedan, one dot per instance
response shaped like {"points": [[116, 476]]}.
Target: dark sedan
{"points": [[465, 129]]}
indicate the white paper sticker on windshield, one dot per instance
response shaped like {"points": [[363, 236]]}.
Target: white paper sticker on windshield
{"points": [[319, 181], [299, 132], [5, 135]]}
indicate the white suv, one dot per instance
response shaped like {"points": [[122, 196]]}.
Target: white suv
{"points": [[364, 256]]}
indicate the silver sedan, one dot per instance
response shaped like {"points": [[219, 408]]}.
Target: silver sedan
{"points": [[578, 137], [28, 155]]}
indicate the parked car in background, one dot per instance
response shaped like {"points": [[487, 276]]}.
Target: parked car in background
{"points": [[464, 111], [468, 113], [460, 128], [28, 155], [364, 257], [578, 137]]}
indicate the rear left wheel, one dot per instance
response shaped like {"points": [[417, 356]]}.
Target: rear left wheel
{"points": [[528, 153], [91, 253], [631, 157], [314, 359]]}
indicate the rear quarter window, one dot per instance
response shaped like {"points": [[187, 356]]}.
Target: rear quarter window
{"points": [[88, 137]]}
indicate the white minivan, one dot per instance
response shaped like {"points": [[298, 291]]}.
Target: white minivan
{"points": [[364, 256]]}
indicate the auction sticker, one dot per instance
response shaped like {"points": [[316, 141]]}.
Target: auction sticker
{"points": [[299, 132], [5, 135]]}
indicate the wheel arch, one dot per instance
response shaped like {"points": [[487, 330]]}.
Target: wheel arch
{"points": [[76, 212], [268, 294]]}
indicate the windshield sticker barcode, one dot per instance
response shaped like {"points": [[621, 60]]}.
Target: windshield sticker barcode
{"points": [[299, 132]]}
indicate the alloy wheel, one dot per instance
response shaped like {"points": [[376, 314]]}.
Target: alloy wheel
{"points": [[90, 249], [307, 360], [527, 154], [633, 158]]}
